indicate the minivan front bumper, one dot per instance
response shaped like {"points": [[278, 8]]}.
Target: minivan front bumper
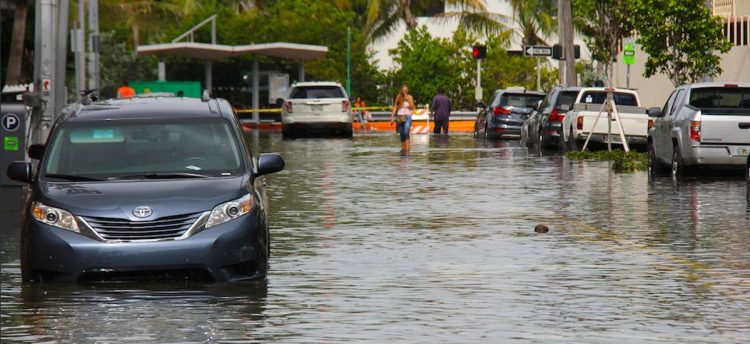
{"points": [[226, 252]]}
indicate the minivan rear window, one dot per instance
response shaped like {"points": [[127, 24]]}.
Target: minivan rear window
{"points": [[317, 92], [520, 99], [110, 149], [720, 98], [598, 97]]}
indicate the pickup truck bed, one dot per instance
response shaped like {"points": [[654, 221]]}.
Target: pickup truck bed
{"points": [[634, 121]]}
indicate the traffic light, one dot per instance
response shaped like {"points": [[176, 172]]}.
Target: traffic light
{"points": [[479, 51], [557, 52]]}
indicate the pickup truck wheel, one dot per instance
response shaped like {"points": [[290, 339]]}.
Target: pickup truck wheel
{"points": [[654, 166], [572, 141], [678, 168]]}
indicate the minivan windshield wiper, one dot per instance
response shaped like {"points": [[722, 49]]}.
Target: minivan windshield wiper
{"points": [[72, 177], [163, 175]]}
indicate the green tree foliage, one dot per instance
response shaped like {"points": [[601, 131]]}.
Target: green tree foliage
{"points": [[426, 63], [385, 16], [535, 19], [679, 36], [604, 23]]}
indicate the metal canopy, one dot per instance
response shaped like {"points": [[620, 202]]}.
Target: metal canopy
{"points": [[205, 51], [210, 52]]}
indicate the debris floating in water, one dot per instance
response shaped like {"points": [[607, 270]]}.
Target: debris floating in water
{"points": [[541, 228]]}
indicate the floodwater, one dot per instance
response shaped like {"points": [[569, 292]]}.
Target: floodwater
{"points": [[372, 246]]}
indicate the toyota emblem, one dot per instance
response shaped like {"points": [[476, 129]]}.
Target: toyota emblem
{"points": [[142, 212]]}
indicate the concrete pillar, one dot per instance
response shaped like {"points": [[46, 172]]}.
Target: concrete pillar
{"points": [[162, 71], [208, 75], [256, 87], [301, 76]]}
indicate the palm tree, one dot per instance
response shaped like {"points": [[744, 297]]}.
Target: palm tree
{"points": [[535, 19], [15, 55], [384, 16], [144, 15]]}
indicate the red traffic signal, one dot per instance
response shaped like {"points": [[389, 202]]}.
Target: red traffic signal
{"points": [[479, 52]]}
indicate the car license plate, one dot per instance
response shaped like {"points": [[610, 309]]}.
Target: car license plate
{"points": [[316, 107], [741, 151]]}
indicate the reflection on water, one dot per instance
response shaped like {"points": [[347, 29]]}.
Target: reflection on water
{"points": [[369, 245]]}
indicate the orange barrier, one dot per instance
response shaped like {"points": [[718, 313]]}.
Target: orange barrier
{"points": [[417, 126]]}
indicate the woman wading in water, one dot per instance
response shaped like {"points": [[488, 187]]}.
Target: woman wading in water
{"points": [[403, 108]]}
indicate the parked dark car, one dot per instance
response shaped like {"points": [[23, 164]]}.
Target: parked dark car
{"points": [[544, 126], [506, 113], [145, 188]]}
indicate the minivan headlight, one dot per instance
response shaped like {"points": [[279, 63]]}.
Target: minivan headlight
{"points": [[52, 216], [230, 210]]}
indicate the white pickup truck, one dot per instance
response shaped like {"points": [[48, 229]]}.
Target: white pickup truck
{"points": [[579, 122]]}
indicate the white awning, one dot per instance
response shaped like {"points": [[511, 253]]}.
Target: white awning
{"points": [[205, 51]]}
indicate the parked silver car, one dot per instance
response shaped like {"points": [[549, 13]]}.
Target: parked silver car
{"points": [[701, 125]]}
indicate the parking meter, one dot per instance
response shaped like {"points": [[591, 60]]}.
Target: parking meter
{"points": [[12, 138]]}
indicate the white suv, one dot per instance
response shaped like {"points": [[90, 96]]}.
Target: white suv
{"points": [[316, 107]]}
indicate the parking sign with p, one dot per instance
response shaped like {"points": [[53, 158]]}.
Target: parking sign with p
{"points": [[10, 122]]}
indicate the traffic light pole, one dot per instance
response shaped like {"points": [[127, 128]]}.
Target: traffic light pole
{"points": [[478, 91]]}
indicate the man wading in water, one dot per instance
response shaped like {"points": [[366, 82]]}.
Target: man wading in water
{"points": [[403, 108]]}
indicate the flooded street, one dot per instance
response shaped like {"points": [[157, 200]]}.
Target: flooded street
{"points": [[438, 246]]}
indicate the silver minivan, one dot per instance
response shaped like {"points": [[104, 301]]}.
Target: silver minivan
{"points": [[701, 125]]}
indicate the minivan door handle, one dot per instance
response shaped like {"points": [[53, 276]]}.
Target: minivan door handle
{"points": [[745, 125]]}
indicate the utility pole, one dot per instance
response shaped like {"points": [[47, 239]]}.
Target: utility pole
{"points": [[571, 78], [61, 55], [93, 51], [44, 70], [560, 35], [80, 53], [349, 61]]}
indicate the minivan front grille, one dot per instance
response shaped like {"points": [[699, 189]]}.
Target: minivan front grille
{"points": [[169, 227]]}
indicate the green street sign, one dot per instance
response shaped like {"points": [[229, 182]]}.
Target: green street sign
{"points": [[10, 143], [629, 53]]}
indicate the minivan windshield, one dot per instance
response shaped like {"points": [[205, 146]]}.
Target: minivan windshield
{"points": [[125, 149], [316, 92], [520, 99]]}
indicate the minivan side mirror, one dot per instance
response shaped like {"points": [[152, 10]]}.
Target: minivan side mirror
{"points": [[270, 163], [36, 151], [20, 171], [655, 112], [279, 102]]}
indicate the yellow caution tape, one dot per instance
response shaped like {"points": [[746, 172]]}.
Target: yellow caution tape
{"points": [[279, 110]]}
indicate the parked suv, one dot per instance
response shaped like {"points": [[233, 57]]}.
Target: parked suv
{"points": [[154, 187], [544, 126], [701, 125], [322, 107], [506, 113]]}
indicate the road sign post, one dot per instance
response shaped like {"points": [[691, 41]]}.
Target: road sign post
{"points": [[537, 51], [628, 56]]}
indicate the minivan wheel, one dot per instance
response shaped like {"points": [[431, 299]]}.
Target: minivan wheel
{"points": [[678, 167]]}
